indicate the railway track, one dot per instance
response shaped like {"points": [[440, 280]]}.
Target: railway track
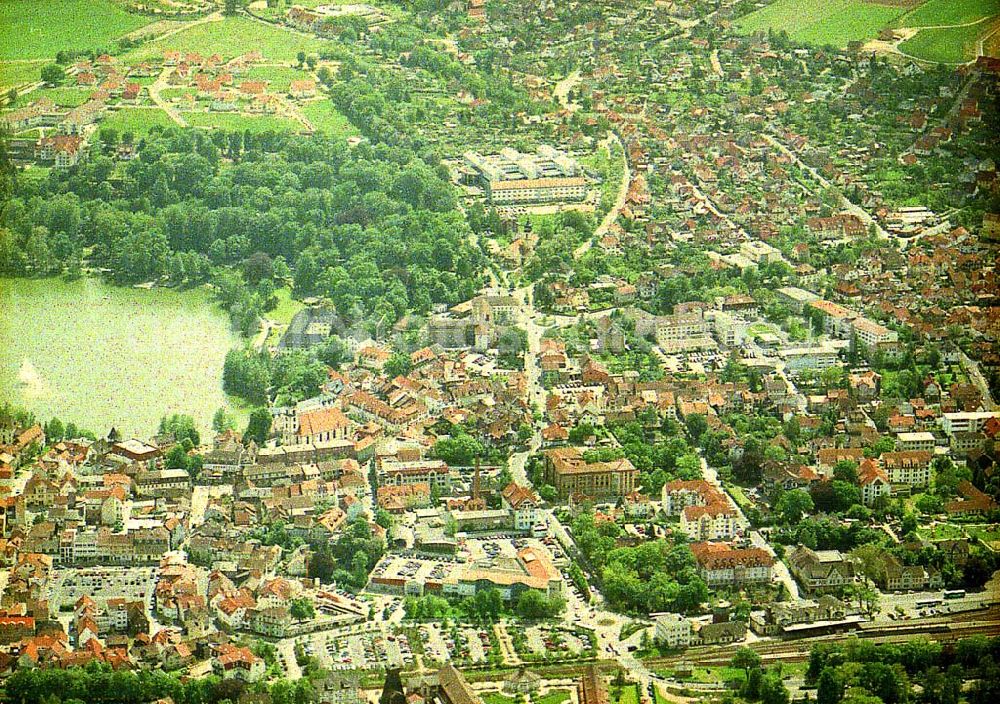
{"points": [[962, 626]]}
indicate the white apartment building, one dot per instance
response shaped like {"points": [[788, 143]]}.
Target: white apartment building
{"points": [[966, 422], [803, 359], [716, 521], [672, 631], [915, 441]]}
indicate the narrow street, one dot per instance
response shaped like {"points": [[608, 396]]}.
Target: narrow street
{"points": [[619, 203], [850, 207], [154, 94]]}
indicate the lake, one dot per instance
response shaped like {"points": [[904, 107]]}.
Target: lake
{"points": [[102, 356]]}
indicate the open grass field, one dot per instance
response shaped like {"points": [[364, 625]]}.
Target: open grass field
{"points": [[138, 121], [239, 122], [287, 307], [948, 12], [950, 45], [327, 119], [37, 29], [232, 37], [822, 22]]}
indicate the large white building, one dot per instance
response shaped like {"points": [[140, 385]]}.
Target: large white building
{"points": [[514, 178], [915, 441], [524, 504], [909, 468], [803, 359], [716, 521], [966, 422], [683, 331], [672, 631]]}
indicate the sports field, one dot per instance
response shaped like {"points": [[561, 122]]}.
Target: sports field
{"points": [[822, 22], [38, 29]]}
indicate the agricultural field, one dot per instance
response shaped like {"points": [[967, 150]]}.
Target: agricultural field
{"points": [[45, 27], [66, 97], [278, 77], [241, 122], [327, 119], [138, 121], [934, 13], [16, 73], [227, 38], [949, 45], [822, 22]]}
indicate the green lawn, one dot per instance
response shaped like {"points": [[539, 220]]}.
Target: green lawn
{"points": [[629, 694], [709, 675], [821, 22], [239, 122], [327, 119], [944, 12], [497, 698], [38, 29], [985, 533], [138, 121], [286, 309], [20, 72], [953, 45], [941, 531], [557, 696], [231, 37]]}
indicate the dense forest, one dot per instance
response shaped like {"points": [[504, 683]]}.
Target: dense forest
{"points": [[374, 228]]}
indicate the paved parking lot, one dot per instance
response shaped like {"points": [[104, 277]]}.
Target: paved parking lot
{"points": [[543, 639], [363, 651]]}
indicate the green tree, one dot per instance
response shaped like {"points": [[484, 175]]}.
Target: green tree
{"points": [[54, 430], [696, 425], [302, 609], [258, 426], [182, 427], [460, 450], [222, 420], [793, 505], [830, 689], [398, 365], [53, 74], [746, 659], [773, 690]]}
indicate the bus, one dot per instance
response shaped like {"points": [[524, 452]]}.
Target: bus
{"points": [[954, 593], [928, 602]]}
